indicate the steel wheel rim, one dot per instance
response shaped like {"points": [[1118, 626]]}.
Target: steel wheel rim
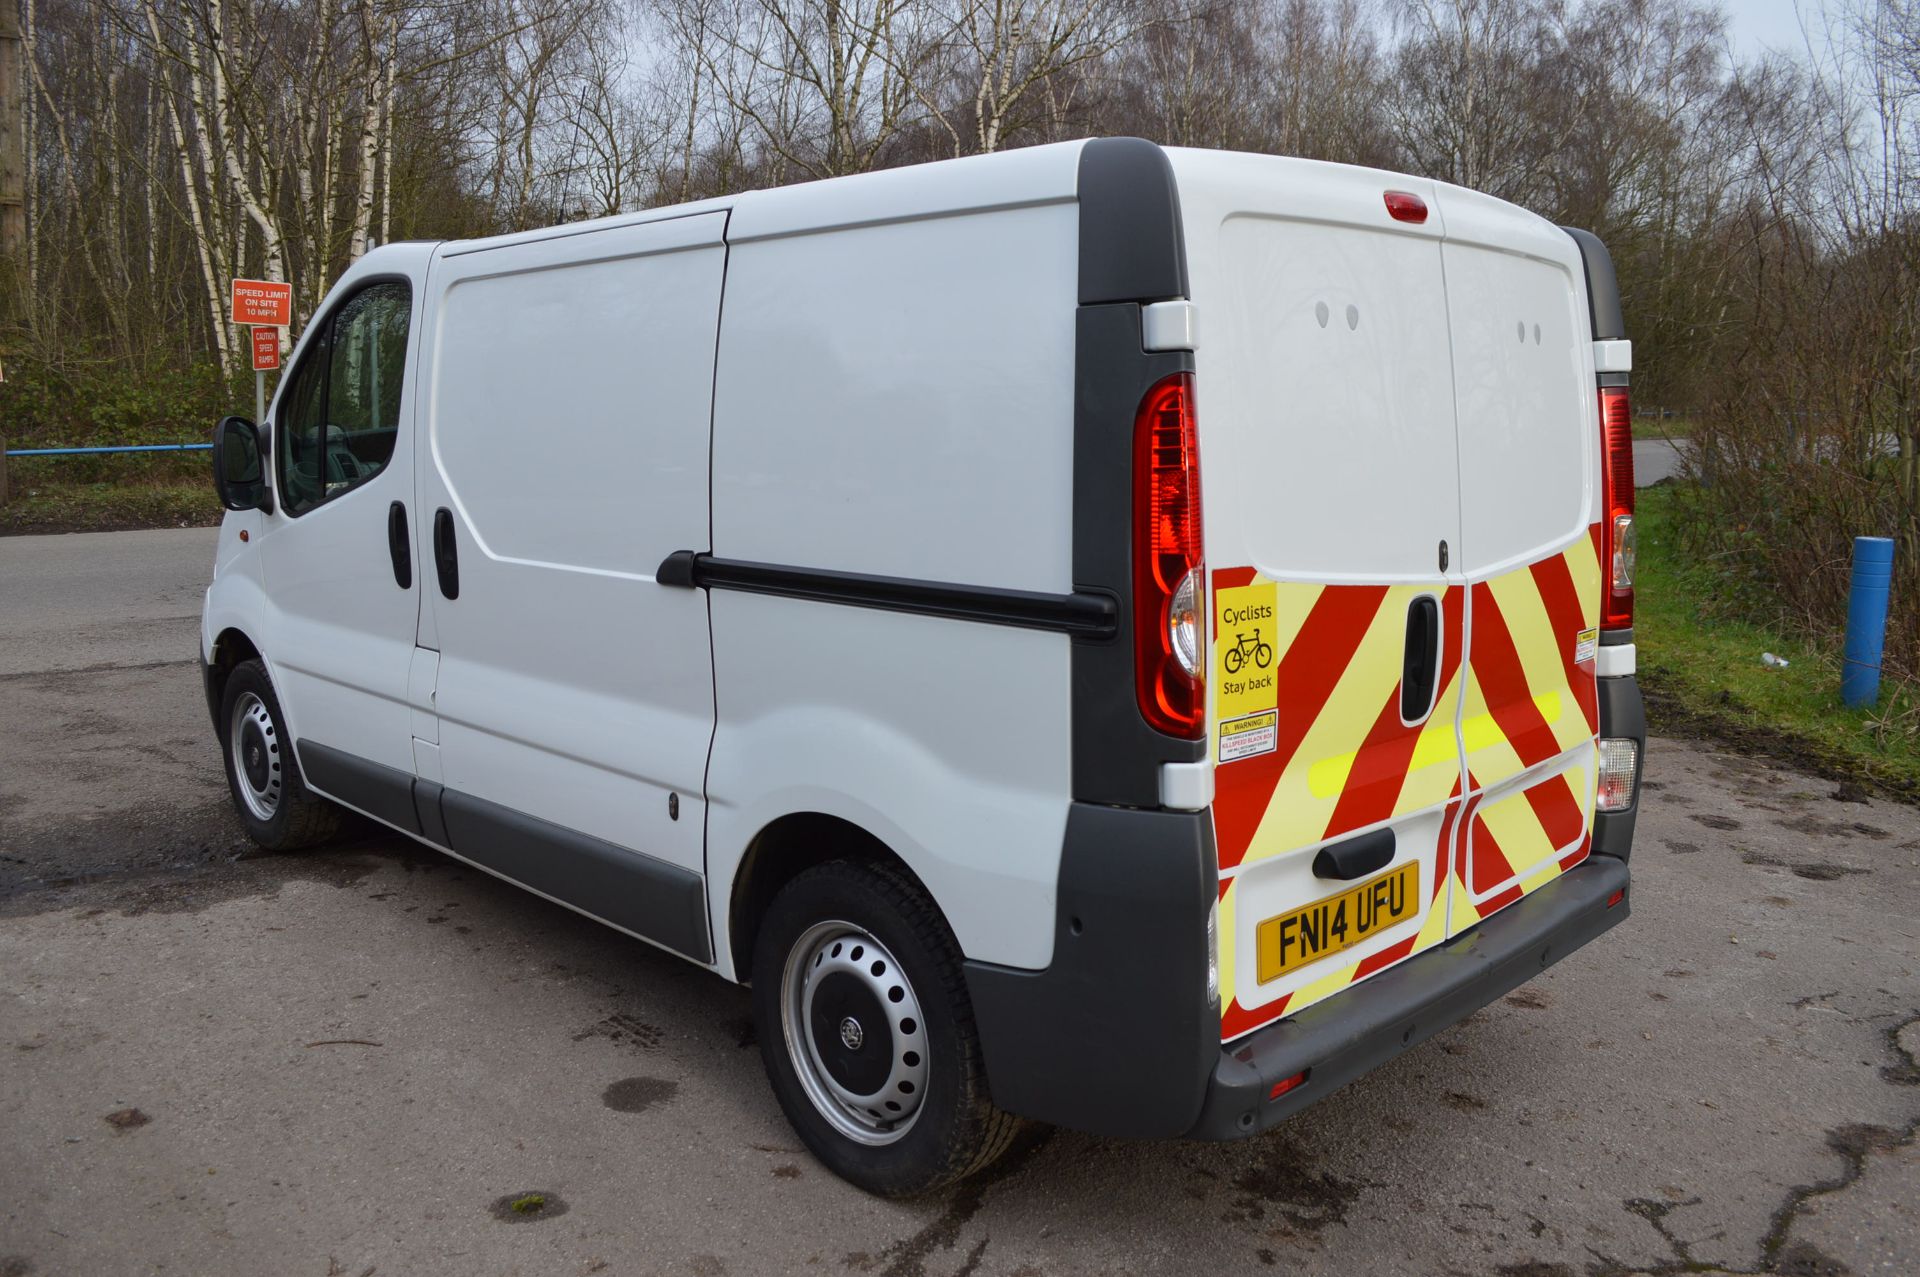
{"points": [[834, 966], [254, 757]]}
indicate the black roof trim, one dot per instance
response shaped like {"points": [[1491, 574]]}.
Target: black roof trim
{"points": [[1603, 290], [1131, 245]]}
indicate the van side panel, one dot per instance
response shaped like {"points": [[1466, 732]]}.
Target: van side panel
{"points": [[897, 400]]}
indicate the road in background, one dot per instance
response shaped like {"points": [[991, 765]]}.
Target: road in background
{"points": [[1656, 460], [346, 1061]]}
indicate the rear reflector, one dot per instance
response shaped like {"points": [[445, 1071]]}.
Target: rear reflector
{"points": [[1616, 897], [1618, 754], [1169, 575], [1286, 1084], [1405, 206], [1616, 529]]}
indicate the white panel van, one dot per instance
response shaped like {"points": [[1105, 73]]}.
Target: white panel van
{"points": [[1096, 634]]}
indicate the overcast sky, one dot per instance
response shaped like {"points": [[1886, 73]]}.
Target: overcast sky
{"points": [[1771, 24]]}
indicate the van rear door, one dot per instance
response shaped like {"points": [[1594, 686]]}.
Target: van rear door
{"points": [[1528, 435], [1324, 386]]}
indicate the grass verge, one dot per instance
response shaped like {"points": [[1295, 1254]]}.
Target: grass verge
{"points": [[109, 507], [1662, 427], [1700, 668]]}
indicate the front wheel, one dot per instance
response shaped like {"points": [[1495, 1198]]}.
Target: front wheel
{"points": [[275, 805], [867, 1033]]}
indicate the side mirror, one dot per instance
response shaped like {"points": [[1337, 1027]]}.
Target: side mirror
{"points": [[238, 475]]}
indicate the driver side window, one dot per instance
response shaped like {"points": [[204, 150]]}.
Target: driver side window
{"points": [[340, 417]]}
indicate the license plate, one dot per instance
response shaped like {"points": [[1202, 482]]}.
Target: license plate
{"points": [[1292, 940]]}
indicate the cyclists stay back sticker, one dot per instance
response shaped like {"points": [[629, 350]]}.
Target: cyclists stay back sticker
{"points": [[1243, 670]]}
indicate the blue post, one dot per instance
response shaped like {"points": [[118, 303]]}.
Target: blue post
{"points": [[1866, 620]]}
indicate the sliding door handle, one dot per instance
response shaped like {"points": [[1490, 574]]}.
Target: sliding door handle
{"points": [[398, 545], [446, 555]]}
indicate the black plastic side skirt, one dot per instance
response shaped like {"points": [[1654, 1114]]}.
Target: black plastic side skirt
{"points": [[385, 793], [1116, 1036], [631, 890]]}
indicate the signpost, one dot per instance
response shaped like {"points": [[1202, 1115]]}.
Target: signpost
{"points": [[265, 306]]}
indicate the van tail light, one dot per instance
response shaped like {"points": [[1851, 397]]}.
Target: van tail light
{"points": [[1169, 571], [1616, 533]]}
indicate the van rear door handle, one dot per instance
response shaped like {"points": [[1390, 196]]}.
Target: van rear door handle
{"points": [[446, 557], [1420, 668], [398, 546], [1356, 857]]}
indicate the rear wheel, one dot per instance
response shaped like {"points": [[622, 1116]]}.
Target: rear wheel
{"points": [[275, 805], [867, 1033]]}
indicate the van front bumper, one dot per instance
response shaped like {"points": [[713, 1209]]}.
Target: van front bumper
{"points": [[1356, 1031]]}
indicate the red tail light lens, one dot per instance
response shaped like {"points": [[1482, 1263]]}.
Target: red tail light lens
{"points": [[1169, 574], [1616, 532]]}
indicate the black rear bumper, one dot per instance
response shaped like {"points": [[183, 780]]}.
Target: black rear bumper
{"points": [[1356, 1031], [1115, 1037]]}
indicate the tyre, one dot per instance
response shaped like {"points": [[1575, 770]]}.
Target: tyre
{"points": [[275, 805], [1235, 659], [867, 1034]]}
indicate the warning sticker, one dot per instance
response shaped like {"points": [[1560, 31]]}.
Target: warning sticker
{"points": [[1247, 702], [1250, 736], [1586, 645]]}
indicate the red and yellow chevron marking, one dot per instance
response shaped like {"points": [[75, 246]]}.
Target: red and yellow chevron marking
{"points": [[1341, 758], [1335, 758], [1527, 698], [1530, 698]]}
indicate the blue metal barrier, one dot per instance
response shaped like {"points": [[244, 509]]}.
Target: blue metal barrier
{"points": [[1866, 620], [81, 452]]}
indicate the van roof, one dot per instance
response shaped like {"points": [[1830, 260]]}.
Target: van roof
{"points": [[1007, 179], [1027, 177]]}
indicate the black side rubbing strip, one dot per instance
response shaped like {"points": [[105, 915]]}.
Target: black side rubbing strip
{"points": [[1356, 857], [385, 793], [1131, 245], [1420, 667], [663, 902], [1603, 290], [1079, 614], [398, 546]]}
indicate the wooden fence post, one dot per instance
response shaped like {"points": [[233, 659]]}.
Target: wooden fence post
{"points": [[3, 469]]}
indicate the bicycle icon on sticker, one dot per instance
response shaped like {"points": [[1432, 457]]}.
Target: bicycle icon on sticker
{"points": [[1243, 648]]}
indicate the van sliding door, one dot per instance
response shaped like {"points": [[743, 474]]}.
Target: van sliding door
{"points": [[565, 447]]}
